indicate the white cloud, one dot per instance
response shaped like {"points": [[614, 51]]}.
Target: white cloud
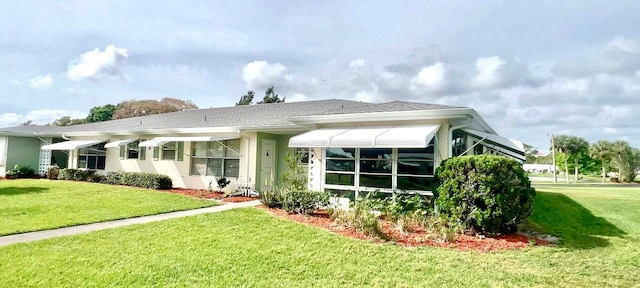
{"points": [[41, 82], [610, 130], [16, 82], [488, 69], [260, 74], [40, 116], [621, 56], [365, 96], [95, 64], [433, 77], [355, 63]]}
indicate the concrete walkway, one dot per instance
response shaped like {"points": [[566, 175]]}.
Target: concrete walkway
{"points": [[46, 234]]}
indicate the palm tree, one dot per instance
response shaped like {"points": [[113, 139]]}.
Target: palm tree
{"points": [[577, 146], [619, 150], [562, 145], [602, 150]]}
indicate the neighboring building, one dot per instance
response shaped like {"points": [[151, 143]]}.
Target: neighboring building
{"points": [[353, 147], [539, 168]]}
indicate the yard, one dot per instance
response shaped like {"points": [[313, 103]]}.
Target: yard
{"points": [[30, 204], [249, 247]]}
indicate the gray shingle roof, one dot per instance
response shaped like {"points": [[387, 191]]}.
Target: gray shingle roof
{"points": [[386, 107], [262, 115], [238, 116]]}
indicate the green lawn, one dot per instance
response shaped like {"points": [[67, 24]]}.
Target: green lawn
{"points": [[30, 205], [248, 247]]}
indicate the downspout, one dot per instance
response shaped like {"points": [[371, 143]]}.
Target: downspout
{"points": [[451, 129]]}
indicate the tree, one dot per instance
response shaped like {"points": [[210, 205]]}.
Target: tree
{"points": [[67, 121], [531, 153], [626, 159], [602, 150], [270, 96], [135, 108], [27, 123], [246, 99], [619, 150], [571, 147], [101, 113]]}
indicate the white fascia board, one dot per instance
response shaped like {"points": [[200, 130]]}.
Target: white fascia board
{"points": [[384, 116], [170, 131]]}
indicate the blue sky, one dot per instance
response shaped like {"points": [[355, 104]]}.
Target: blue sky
{"points": [[529, 68]]}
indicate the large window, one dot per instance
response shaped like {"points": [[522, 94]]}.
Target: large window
{"points": [[368, 169], [92, 157], [169, 151], [130, 151], [220, 158], [458, 142]]}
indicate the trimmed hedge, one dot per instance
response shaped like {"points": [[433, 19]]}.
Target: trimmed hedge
{"points": [[487, 193], [140, 179], [75, 174]]}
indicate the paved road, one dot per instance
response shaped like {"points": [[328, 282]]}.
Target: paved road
{"points": [[46, 234]]}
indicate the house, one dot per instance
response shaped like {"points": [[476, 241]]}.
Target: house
{"points": [[352, 147]]}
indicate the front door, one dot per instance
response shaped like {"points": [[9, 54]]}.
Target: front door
{"points": [[267, 169]]}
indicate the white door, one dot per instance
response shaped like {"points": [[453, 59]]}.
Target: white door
{"points": [[268, 166]]}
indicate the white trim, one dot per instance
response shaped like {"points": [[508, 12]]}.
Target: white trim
{"points": [[71, 145], [159, 141], [119, 143], [369, 137]]}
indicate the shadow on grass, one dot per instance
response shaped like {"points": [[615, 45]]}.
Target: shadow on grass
{"points": [[559, 215], [10, 191]]}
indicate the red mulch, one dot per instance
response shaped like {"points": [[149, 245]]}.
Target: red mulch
{"points": [[414, 238], [206, 194]]}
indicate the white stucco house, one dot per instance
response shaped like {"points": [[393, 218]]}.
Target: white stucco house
{"points": [[352, 147]]}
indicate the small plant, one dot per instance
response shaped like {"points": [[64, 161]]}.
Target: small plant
{"points": [[304, 202], [53, 172], [272, 198], [140, 179], [223, 182], [442, 230], [21, 172]]}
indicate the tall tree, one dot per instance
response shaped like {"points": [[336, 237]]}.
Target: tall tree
{"points": [[246, 99], [602, 150], [562, 146], [135, 108], [619, 150], [270, 96], [67, 121], [577, 147], [101, 113], [531, 154]]}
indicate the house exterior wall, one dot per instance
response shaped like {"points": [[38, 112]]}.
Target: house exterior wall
{"points": [[179, 171], [3, 156], [23, 151]]}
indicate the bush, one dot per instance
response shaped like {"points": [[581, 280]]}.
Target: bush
{"points": [[272, 198], [21, 172], [360, 218], [75, 174], [53, 172], [139, 179], [486, 193], [304, 202]]}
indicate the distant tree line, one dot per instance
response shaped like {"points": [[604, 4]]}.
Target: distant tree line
{"points": [[128, 109], [575, 153]]}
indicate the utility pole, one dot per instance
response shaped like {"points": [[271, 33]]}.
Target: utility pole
{"points": [[553, 159]]}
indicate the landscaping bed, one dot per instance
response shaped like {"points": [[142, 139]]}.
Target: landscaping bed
{"points": [[213, 195], [416, 236]]}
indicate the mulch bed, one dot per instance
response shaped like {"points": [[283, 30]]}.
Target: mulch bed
{"points": [[416, 237], [214, 195]]}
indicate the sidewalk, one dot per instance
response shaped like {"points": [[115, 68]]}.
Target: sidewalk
{"points": [[46, 234]]}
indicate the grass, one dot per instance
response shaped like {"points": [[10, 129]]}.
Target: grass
{"points": [[31, 205], [248, 247]]}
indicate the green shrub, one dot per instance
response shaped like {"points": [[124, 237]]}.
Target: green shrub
{"points": [[486, 193], [303, 202], [272, 198], [21, 172], [53, 172], [360, 218], [139, 179], [75, 174]]}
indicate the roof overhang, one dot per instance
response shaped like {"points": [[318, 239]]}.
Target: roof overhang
{"points": [[159, 141], [370, 137], [71, 145], [508, 146], [119, 143]]}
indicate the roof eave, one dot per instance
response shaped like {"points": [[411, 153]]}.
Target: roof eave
{"points": [[377, 116]]}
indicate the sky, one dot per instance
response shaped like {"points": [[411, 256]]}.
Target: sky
{"points": [[530, 68]]}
